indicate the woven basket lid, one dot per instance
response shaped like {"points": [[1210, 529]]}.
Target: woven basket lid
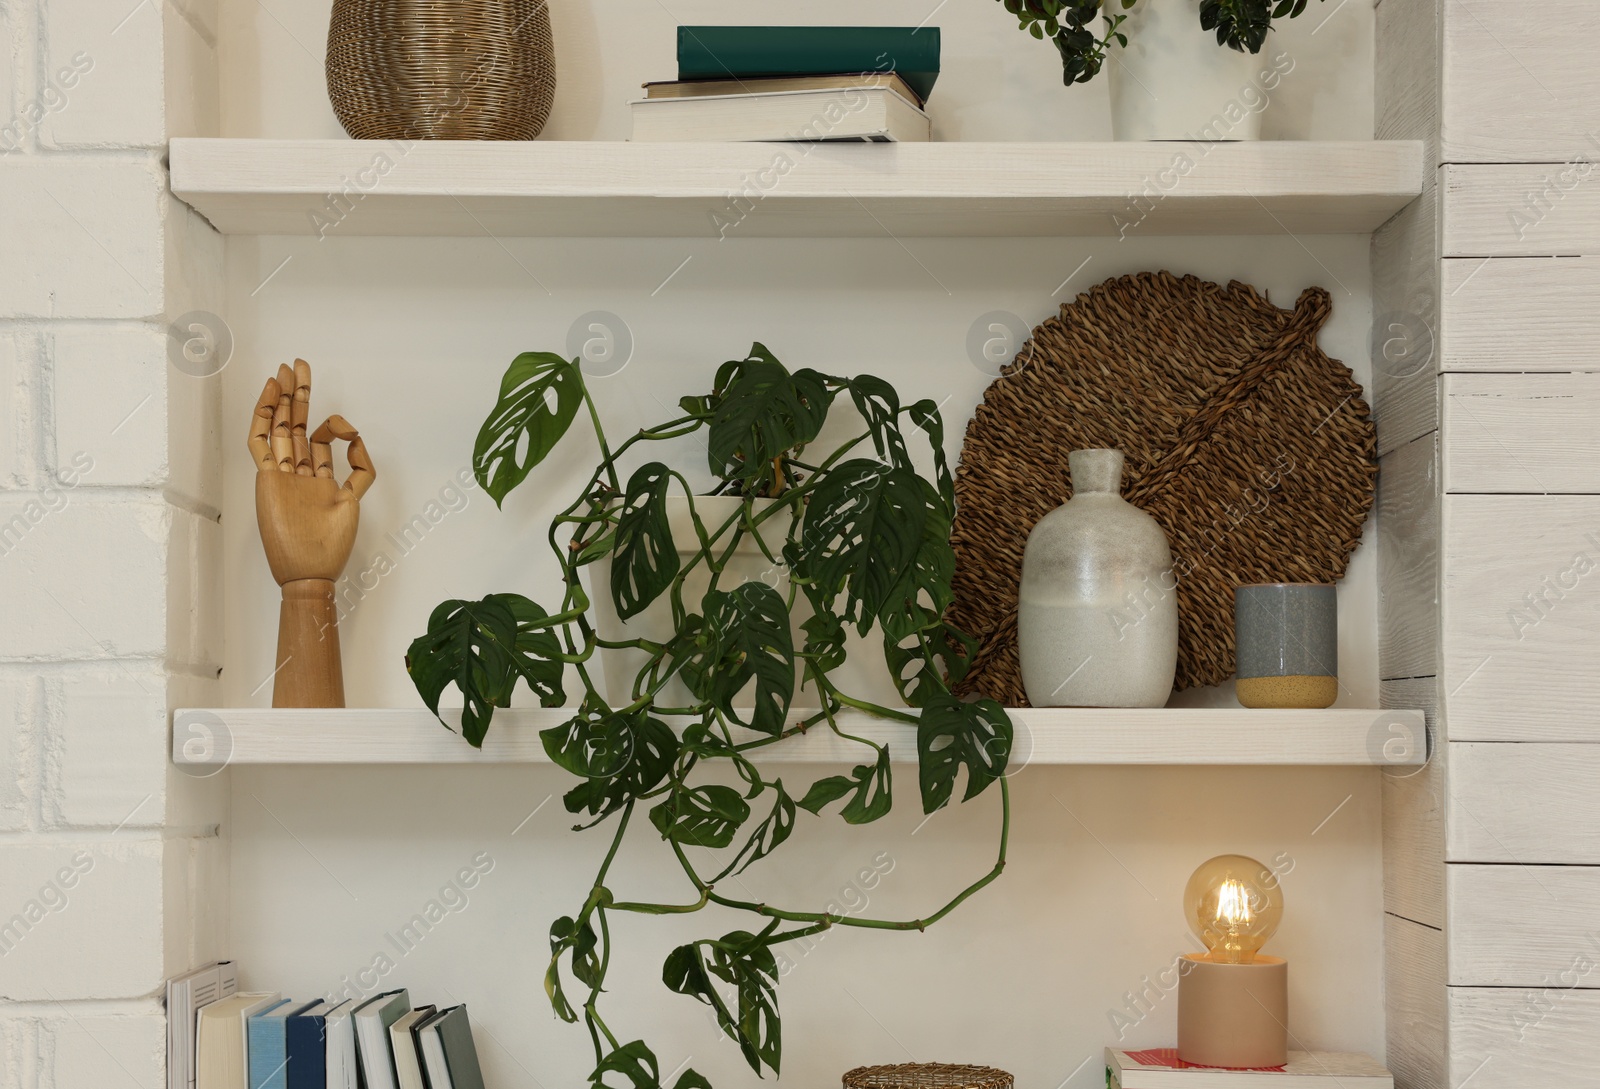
{"points": [[927, 1076], [1252, 449]]}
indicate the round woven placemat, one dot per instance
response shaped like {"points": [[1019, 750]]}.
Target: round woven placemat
{"points": [[1252, 449], [927, 1076]]}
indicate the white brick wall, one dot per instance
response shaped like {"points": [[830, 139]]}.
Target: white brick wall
{"points": [[112, 872]]}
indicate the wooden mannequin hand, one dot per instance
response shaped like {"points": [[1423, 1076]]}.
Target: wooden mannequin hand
{"points": [[308, 528]]}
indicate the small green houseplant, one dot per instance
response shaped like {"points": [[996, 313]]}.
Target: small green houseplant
{"points": [[1070, 24], [867, 546]]}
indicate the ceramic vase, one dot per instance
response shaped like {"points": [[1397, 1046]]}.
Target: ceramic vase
{"points": [[1172, 81], [1097, 611]]}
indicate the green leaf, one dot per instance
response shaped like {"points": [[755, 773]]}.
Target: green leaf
{"points": [[746, 635], [645, 560], [824, 641], [925, 414], [953, 735], [482, 647], [634, 1062], [620, 757], [765, 413], [879, 406], [767, 836], [567, 937], [870, 785], [924, 593], [539, 396], [862, 532], [928, 670], [742, 961], [706, 816]]}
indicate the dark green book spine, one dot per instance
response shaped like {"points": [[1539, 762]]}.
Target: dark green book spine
{"points": [[746, 52]]}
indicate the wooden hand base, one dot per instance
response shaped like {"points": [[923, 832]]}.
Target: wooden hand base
{"points": [[310, 673]]}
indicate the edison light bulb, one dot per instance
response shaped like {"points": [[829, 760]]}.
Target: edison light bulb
{"points": [[1233, 904]]}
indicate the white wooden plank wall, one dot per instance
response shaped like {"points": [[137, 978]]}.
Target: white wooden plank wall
{"points": [[1405, 364], [1519, 314]]}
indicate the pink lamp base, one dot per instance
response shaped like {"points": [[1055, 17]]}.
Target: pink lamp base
{"points": [[1233, 1015]]}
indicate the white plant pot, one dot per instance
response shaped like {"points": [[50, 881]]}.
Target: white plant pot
{"points": [[864, 673], [1174, 82]]}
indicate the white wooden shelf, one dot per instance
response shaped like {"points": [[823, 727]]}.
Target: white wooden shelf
{"points": [[613, 189], [1235, 736]]}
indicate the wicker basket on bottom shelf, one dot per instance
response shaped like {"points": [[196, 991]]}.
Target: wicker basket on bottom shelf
{"points": [[927, 1076]]}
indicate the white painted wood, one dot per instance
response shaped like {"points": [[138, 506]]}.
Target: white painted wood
{"points": [[1521, 89], [593, 188], [1406, 73], [1393, 738], [1405, 320], [1519, 314], [1523, 926], [1522, 433], [1521, 210], [1525, 803], [1413, 816], [1408, 560], [1414, 1003], [1524, 1038], [1520, 617]]}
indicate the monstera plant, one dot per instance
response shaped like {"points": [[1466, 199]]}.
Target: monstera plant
{"points": [[865, 546]]}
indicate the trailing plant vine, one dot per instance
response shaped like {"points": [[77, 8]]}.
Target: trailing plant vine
{"points": [[1238, 24], [867, 547]]}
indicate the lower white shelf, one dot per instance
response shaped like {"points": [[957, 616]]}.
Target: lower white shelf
{"points": [[1227, 736]]}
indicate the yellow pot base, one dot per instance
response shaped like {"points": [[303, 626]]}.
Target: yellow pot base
{"points": [[1287, 692]]}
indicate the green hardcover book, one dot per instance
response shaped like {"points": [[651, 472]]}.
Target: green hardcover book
{"points": [[741, 52]]}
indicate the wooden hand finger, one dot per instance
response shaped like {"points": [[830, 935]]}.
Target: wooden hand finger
{"points": [[299, 413], [322, 451], [362, 474], [335, 427], [282, 427], [261, 428]]}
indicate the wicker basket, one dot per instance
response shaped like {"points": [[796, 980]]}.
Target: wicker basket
{"points": [[441, 69], [927, 1076]]}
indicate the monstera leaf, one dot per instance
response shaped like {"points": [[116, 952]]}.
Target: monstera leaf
{"points": [[645, 560], [482, 647], [765, 413], [867, 785], [743, 962], [539, 396], [745, 634], [955, 735], [706, 816]]}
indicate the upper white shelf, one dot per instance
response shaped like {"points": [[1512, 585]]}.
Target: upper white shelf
{"points": [[609, 189], [1230, 736]]}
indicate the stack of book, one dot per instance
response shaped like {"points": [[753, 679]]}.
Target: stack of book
{"points": [[1160, 1068], [258, 1040], [785, 83]]}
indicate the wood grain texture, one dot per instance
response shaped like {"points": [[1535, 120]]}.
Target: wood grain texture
{"points": [[1413, 815], [1522, 433], [1414, 1003], [1513, 90], [1405, 316], [1525, 803], [1408, 560], [1518, 314], [1523, 926], [1521, 210], [1524, 1038], [595, 188], [1394, 738], [1406, 73], [1520, 617]]}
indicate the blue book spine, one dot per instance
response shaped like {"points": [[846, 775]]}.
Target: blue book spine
{"points": [[264, 1038], [306, 1044]]}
